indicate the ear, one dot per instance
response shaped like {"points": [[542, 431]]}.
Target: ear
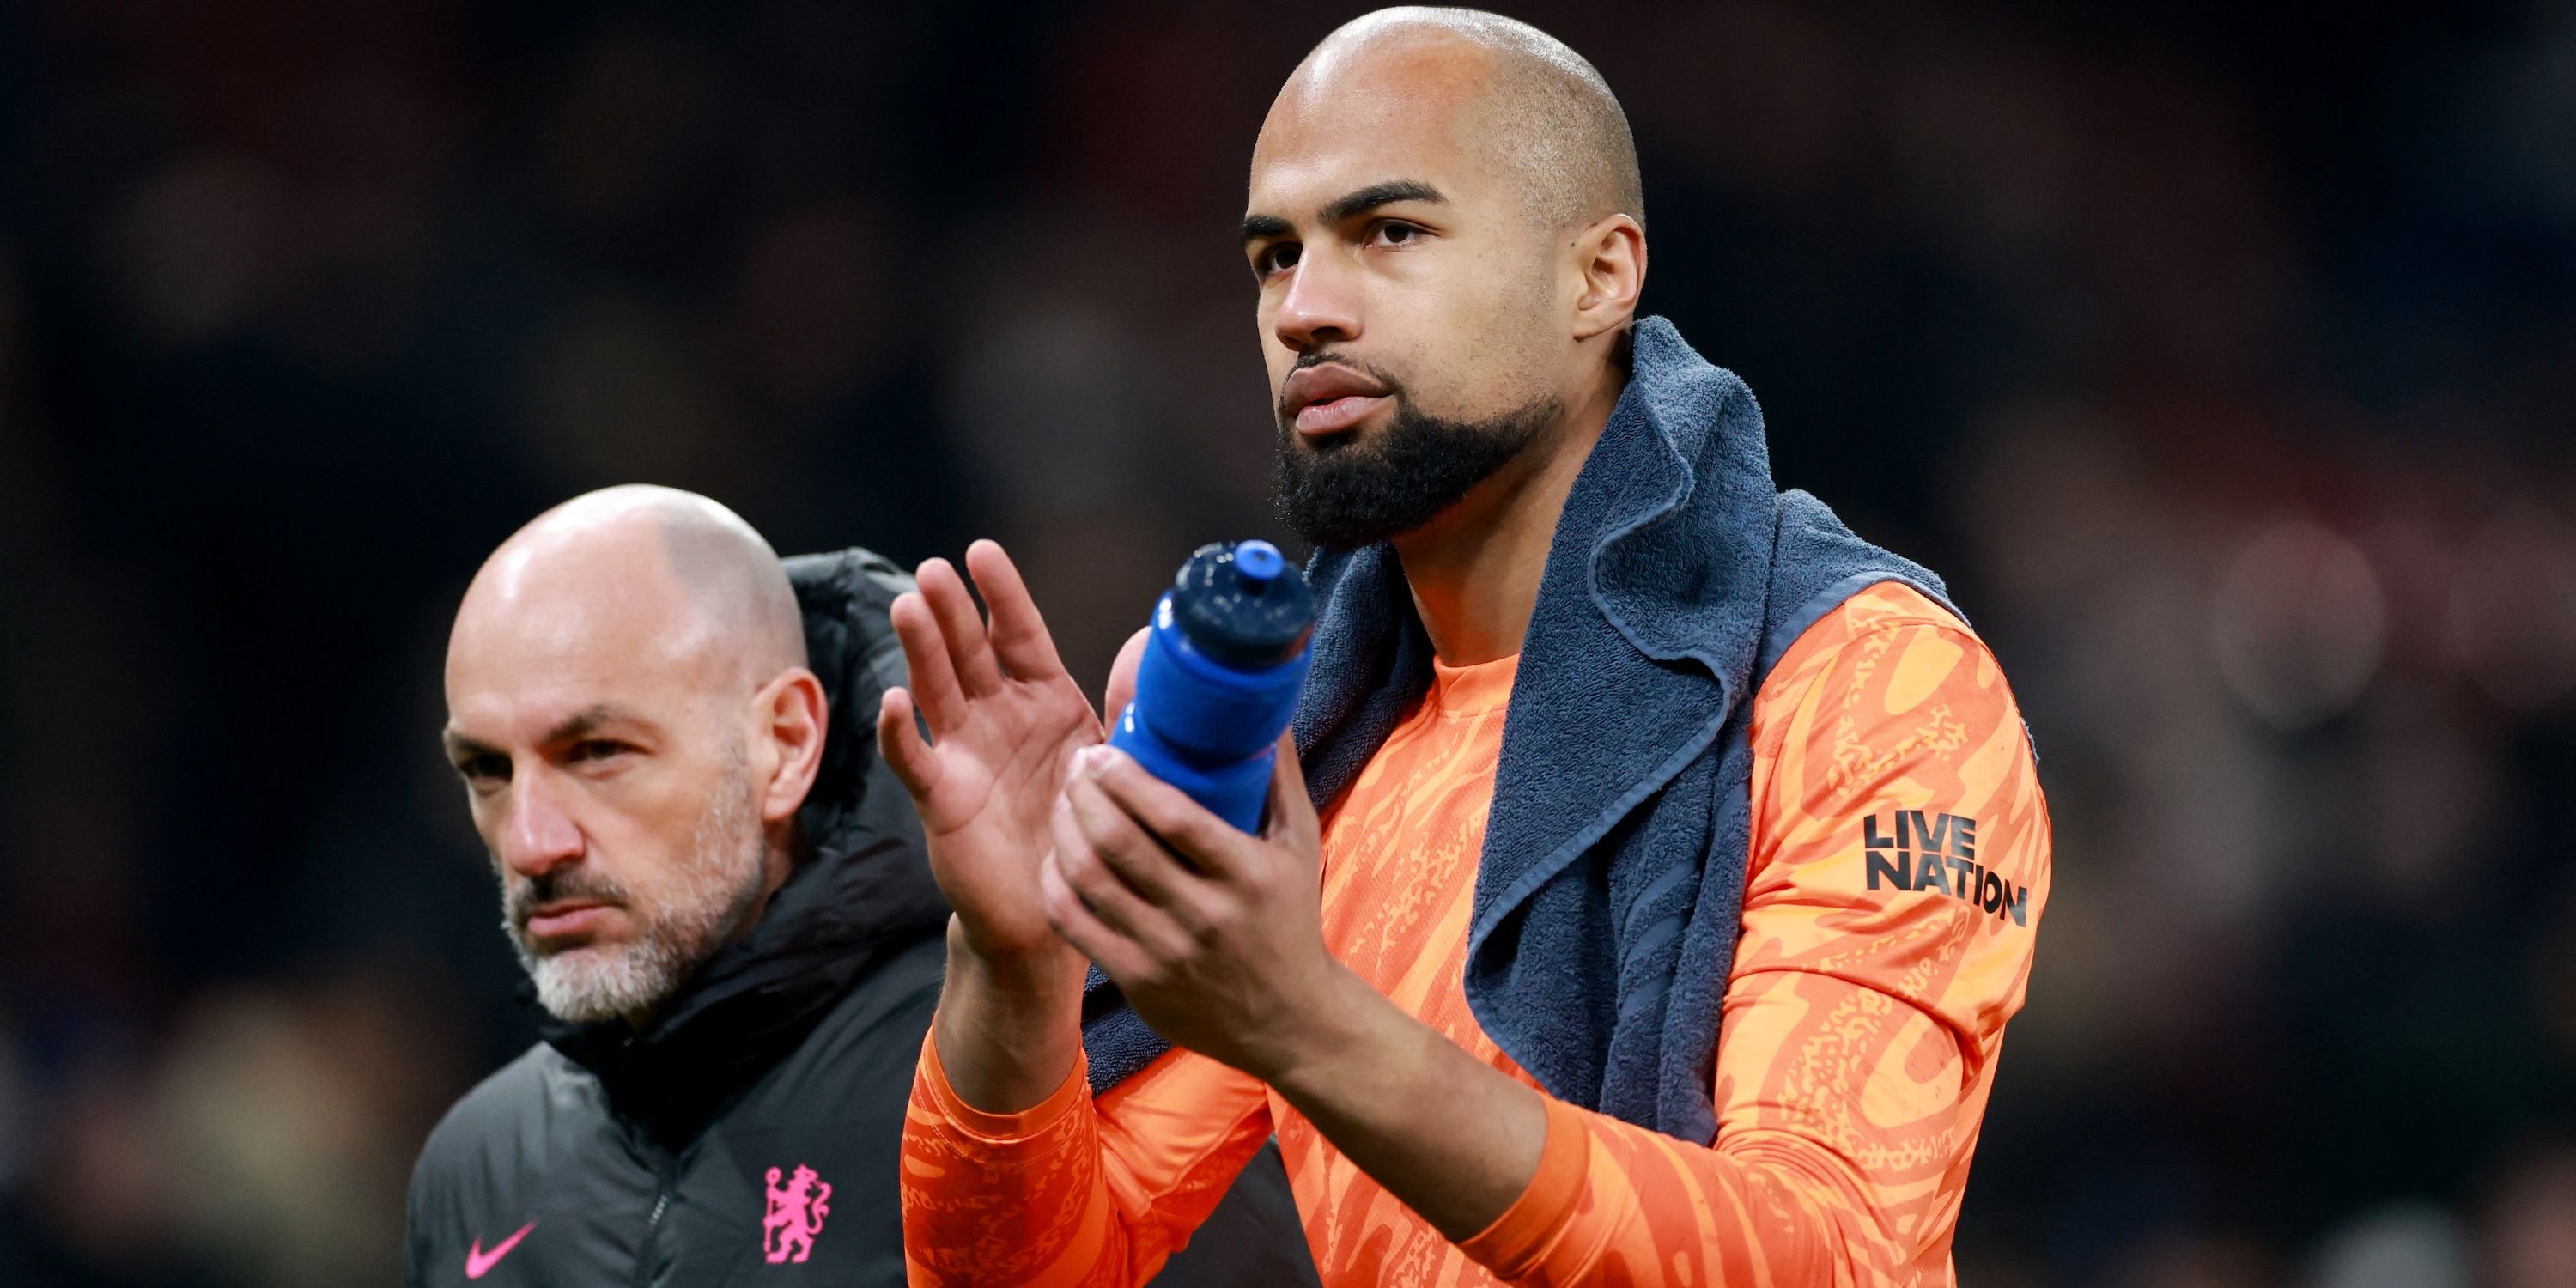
{"points": [[789, 722], [1610, 259]]}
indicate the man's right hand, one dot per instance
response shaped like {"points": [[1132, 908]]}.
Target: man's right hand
{"points": [[1005, 720]]}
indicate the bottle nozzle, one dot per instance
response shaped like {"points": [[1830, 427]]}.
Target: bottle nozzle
{"points": [[1259, 561], [1243, 605]]}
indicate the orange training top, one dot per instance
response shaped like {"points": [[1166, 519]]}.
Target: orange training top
{"points": [[1898, 867]]}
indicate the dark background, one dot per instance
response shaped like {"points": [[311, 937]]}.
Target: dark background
{"points": [[2222, 355]]}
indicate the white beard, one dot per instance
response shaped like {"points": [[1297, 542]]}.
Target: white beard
{"points": [[718, 887]]}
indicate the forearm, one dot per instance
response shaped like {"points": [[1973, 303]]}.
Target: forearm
{"points": [[1761, 1207], [1456, 1139], [1502, 1170], [1008, 1029], [999, 1197], [1071, 1190], [1463, 1144]]}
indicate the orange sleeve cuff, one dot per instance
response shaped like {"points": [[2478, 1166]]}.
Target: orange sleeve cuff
{"points": [[1000, 1129], [1522, 1236]]}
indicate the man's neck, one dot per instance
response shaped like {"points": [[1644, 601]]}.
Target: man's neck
{"points": [[1475, 569]]}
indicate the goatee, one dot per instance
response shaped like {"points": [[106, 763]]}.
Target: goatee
{"points": [[1356, 492]]}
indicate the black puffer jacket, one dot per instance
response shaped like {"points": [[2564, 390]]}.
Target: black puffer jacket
{"points": [[751, 1134]]}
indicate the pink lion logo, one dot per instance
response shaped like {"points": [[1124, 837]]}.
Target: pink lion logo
{"points": [[796, 1212]]}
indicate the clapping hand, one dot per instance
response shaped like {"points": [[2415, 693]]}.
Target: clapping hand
{"points": [[1005, 721]]}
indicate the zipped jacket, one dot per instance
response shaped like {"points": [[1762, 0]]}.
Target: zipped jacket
{"points": [[750, 1134]]}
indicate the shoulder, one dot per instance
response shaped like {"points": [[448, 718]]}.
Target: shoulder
{"points": [[1877, 612], [1888, 641], [906, 983], [1901, 838], [1887, 686], [873, 1034], [487, 1129]]}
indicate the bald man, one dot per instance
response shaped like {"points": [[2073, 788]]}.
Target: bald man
{"points": [[664, 736], [1680, 854]]}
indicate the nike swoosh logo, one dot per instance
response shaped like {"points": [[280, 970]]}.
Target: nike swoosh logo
{"points": [[479, 1263]]}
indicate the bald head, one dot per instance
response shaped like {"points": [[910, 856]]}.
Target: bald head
{"points": [[1535, 110], [654, 568], [1444, 222], [629, 709]]}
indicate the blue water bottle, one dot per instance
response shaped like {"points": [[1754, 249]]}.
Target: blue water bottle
{"points": [[1219, 680]]}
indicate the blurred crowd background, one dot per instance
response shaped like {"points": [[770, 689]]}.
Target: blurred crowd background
{"points": [[2221, 353]]}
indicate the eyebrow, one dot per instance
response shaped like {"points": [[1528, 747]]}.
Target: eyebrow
{"points": [[577, 725], [1376, 195], [1256, 227], [585, 721]]}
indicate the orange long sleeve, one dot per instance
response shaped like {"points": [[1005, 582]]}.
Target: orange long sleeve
{"points": [[1864, 1013], [1072, 1192], [1900, 863]]}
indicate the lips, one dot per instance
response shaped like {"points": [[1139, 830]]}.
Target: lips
{"points": [[1328, 398], [570, 917]]}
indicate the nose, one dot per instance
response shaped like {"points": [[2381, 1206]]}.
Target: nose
{"points": [[537, 835], [1321, 307]]}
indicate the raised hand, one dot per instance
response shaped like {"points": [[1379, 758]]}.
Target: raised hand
{"points": [[1005, 720]]}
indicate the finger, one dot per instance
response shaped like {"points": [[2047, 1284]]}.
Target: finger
{"points": [[1121, 907], [928, 674], [1134, 857], [970, 651], [899, 741], [1206, 842], [1292, 811], [1122, 676], [1020, 637], [1125, 962]]}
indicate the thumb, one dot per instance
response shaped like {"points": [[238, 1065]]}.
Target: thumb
{"points": [[1122, 678], [1292, 812]]}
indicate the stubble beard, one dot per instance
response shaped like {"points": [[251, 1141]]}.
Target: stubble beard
{"points": [[1351, 493], [718, 887]]}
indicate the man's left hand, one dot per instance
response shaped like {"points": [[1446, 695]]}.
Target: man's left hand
{"points": [[1215, 936]]}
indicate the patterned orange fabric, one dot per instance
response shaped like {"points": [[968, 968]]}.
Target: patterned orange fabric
{"points": [[1899, 865]]}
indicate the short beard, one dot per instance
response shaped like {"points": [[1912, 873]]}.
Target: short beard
{"points": [[717, 889], [1352, 492]]}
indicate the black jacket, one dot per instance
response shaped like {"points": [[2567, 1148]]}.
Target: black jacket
{"points": [[604, 1156], [648, 1158]]}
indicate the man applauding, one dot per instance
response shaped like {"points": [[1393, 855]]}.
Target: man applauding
{"points": [[1659, 862]]}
